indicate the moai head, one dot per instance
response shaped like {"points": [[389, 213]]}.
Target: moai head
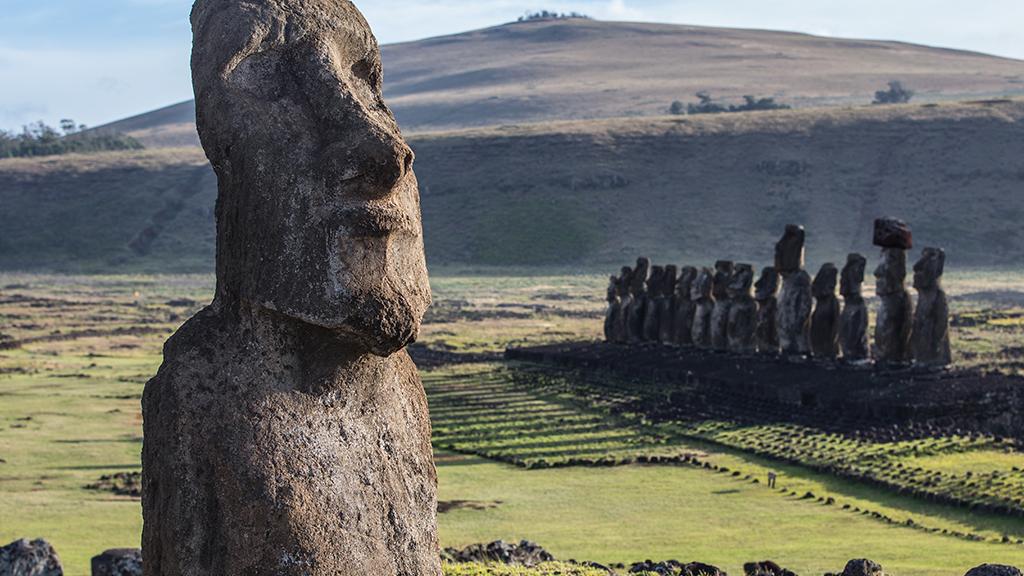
{"points": [[741, 282], [654, 282], [723, 274], [824, 285], [891, 273], [640, 275], [684, 286], [928, 270], [853, 275], [625, 279], [668, 283], [318, 214], [701, 289], [789, 251], [767, 286]]}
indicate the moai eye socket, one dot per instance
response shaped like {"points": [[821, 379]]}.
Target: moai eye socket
{"points": [[261, 75]]}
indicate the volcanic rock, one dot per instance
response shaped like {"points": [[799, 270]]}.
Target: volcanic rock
{"points": [[118, 562], [994, 570], [35, 558], [893, 233]]}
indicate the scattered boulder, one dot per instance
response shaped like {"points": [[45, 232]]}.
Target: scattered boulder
{"points": [[675, 568], [994, 570], [863, 567], [765, 568], [525, 553], [35, 558], [118, 562]]}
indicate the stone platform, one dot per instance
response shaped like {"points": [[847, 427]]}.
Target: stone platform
{"points": [[830, 395]]}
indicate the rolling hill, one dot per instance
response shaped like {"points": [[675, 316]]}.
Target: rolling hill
{"points": [[588, 193], [584, 69]]}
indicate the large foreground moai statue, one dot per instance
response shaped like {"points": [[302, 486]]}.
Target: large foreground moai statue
{"points": [[795, 299], [655, 285], [766, 333], [724, 270], [637, 309], [825, 319], [625, 304], [287, 431], [705, 305], [930, 338], [742, 311], [667, 307], [853, 323], [611, 315], [685, 306], [896, 306]]}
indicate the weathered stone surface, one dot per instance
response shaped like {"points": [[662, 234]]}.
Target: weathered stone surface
{"points": [[701, 295], [853, 323], [863, 567], [685, 307], [895, 309], [118, 562], [765, 568], [637, 309], [767, 331], [667, 305], [720, 314], [742, 311], [825, 318], [24, 558], [625, 305], [994, 570], [789, 251], [930, 336], [652, 313], [287, 432], [893, 233], [794, 315], [614, 309]]}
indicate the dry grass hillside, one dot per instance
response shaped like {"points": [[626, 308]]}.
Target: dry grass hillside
{"points": [[583, 69], [589, 193]]}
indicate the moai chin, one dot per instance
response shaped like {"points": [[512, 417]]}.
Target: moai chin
{"points": [[896, 305], [666, 306], [702, 297], [286, 432], [930, 338], [611, 315], [767, 330], [795, 299], [720, 315], [853, 322], [742, 311], [637, 310], [651, 311], [685, 307], [825, 318], [625, 303]]}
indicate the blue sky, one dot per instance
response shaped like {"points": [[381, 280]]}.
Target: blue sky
{"points": [[100, 60]]}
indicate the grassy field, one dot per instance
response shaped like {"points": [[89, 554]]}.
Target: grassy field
{"points": [[69, 413]]}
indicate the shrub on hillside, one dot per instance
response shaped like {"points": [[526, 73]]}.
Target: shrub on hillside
{"points": [[896, 94], [547, 15], [40, 139], [707, 105]]}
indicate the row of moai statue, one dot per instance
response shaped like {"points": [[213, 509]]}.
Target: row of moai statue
{"points": [[785, 311]]}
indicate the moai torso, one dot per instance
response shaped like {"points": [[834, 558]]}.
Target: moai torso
{"points": [[825, 319], [896, 306], [638, 305], [720, 313], [625, 305], [930, 338], [795, 299], [666, 306], [853, 323], [611, 315], [767, 331], [705, 305], [652, 313], [286, 432], [685, 307], [742, 311]]}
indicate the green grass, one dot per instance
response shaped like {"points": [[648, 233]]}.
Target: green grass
{"points": [[69, 413]]}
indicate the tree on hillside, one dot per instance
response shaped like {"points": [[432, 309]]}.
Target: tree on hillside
{"points": [[896, 94], [548, 15], [677, 108], [41, 139]]}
